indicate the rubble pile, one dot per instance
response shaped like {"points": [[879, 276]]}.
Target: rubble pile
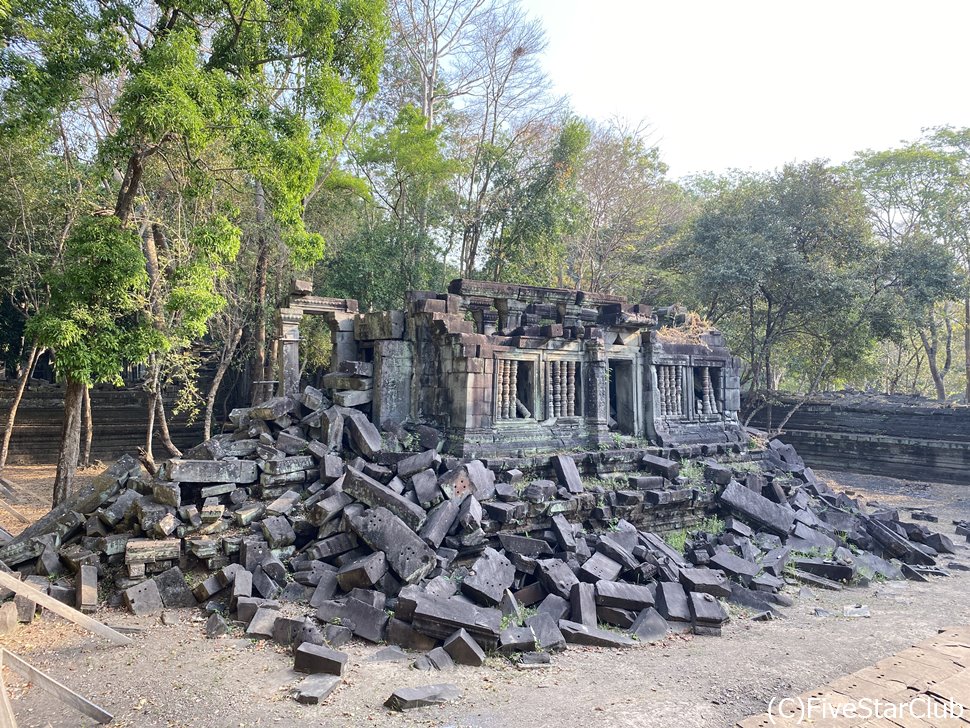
{"points": [[306, 504]]}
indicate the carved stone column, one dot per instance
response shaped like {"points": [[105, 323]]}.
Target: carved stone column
{"points": [[288, 350]]}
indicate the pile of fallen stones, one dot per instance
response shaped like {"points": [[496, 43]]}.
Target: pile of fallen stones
{"points": [[306, 503]]}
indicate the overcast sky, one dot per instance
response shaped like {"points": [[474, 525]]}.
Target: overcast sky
{"points": [[754, 84]]}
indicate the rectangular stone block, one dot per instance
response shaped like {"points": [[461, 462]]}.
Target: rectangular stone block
{"points": [[408, 556], [375, 494], [210, 471]]}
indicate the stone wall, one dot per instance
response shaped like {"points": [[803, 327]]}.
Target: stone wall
{"points": [[879, 436], [119, 417]]}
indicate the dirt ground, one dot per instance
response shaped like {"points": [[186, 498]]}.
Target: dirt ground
{"points": [[173, 676]]}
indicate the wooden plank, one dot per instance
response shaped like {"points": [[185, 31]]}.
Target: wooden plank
{"points": [[13, 511], [7, 717], [59, 691], [62, 610]]}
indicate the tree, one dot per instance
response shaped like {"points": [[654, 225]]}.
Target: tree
{"points": [[267, 89], [787, 266], [629, 210], [95, 322], [540, 209], [913, 196]]}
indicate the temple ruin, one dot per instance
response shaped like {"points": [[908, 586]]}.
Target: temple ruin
{"points": [[502, 369]]}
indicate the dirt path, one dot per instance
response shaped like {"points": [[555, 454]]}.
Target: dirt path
{"points": [[175, 677]]}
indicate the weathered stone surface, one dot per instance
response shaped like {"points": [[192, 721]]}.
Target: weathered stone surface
{"points": [[262, 624], [407, 555], [363, 434], [672, 602], [174, 590], [599, 567], [362, 573], [314, 689], [707, 581], [564, 533], [426, 488], [669, 469], [567, 472], [580, 634], [525, 546], [441, 617], [773, 516], [408, 698], [482, 480], [403, 634], [210, 471], [734, 566], [649, 626], [278, 531], [548, 636], [490, 576], [375, 494], [9, 618], [215, 626], [439, 659], [827, 568], [456, 485], [143, 598], [624, 596], [555, 606], [464, 650], [706, 610], [316, 659], [517, 639], [439, 522], [416, 463], [86, 591], [583, 603], [557, 577]]}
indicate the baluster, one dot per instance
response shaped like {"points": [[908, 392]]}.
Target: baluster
{"points": [[513, 388], [706, 386], [679, 390], [562, 388], [556, 390], [549, 388], [660, 389], [570, 389]]}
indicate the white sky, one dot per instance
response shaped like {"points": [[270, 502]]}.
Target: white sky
{"points": [[753, 84]]}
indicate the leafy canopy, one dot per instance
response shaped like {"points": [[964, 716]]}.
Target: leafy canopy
{"points": [[95, 319]]}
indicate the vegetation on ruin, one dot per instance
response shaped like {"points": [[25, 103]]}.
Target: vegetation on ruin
{"points": [[169, 169]]}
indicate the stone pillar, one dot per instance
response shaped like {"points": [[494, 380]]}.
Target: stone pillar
{"points": [[344, 345], [597, 392], [393, 370], [288, 350]]}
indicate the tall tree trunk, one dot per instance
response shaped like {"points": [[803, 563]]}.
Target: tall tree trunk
{"points": [[148, 458], [70, 441], [210, 400], [257, 371], [930, 348], [129, 187], [88, 429], [35, 353], [166, 438]]}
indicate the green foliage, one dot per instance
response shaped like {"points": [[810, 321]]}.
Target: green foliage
{"points": [[541, 210], [677, 540], [95, 321], [693, 472], [787, 266]]}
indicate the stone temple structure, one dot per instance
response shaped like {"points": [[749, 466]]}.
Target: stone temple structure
{"points": [[504, 369]]}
